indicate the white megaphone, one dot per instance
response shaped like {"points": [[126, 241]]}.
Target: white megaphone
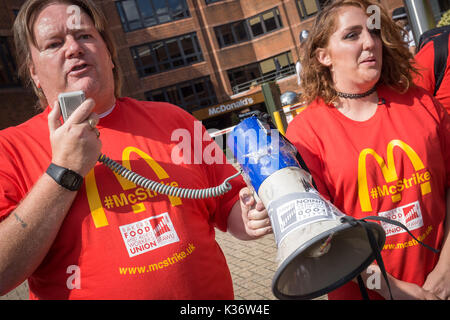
{"points": [[318, 249]]}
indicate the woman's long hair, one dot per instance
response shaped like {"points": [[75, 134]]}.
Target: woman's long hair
{"points": [[316, 79]]}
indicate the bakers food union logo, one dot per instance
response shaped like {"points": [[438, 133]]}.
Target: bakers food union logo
{"points": [[394, 185], [136, 195]]}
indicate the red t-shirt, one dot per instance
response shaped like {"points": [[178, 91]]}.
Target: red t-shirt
{"points": [[119, 240], [396, 165], [425, 63]]}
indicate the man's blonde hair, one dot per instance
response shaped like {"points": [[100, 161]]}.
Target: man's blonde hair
{"points": [[24, 36]]}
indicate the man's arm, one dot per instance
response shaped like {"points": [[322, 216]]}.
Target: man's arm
{"points": [[248, 218], [28, 232]]}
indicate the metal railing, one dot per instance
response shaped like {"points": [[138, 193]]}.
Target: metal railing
{"points": [[271, 76]]}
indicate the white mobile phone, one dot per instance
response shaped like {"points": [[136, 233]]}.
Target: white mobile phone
{"points": [[69, 101]]}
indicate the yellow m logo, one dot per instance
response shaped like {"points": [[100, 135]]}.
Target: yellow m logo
{"points": [[95, 203], [388, 171]]}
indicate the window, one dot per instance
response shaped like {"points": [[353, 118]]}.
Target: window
{"points": [[265, 22], [138, 14], [8, 76], [190, 95], [212, 1], [242, 78], [244, 30], [232, 33], [163, 55], [256, 26], [307, 8]]}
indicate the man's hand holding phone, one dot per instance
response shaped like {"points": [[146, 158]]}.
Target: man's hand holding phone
{"points": [[75, 144]]}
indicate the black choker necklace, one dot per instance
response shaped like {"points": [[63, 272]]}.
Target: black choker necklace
{"points": [[356, 95]]}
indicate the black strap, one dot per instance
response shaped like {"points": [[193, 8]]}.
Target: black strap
{"points": [[401, 225], [362, 288], [377, 250], [440, 59]]}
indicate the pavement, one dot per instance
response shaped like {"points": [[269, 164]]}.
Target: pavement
{"points": [[252, 265]]}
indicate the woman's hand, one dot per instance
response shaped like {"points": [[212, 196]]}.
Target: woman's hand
{"points": [[248, 218], [438, 282], [401, 290]]}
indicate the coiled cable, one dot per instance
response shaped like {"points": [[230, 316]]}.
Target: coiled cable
{"points": [[165, 189]]}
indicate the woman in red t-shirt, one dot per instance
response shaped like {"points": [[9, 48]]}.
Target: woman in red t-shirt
{"points": [[377, 145]]}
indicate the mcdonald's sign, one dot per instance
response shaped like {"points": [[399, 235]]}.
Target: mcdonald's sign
{"points": [[135, 200], [390, 175]]}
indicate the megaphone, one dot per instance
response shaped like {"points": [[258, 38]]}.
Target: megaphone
{"points": [[318, 250]]}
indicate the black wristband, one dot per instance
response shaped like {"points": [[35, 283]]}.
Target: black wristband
{"points": [[65, 177]]}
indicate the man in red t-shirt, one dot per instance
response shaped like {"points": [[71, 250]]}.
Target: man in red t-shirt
{"points": [[425, 63], [77, 230]]}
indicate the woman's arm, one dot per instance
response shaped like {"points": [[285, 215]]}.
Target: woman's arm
{"points": [[438, 280]]}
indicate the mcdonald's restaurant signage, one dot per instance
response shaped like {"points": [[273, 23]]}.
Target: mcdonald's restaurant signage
{"points": [[394, 185], [229, 106]]}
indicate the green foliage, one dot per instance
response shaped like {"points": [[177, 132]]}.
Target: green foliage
{"points": [[445, 20]]}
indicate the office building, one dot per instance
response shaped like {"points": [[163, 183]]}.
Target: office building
{"points": [[207, 56]]}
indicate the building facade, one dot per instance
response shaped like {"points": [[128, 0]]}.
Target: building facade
{"points": [[207, 56]]}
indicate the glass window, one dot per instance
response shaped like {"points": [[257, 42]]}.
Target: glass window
{"points": [[256, 26], [227, 35], [187, 45], [147, 13], [240, 31], [187, 92], [174, 52], [145, 60], [177, 8], [190, 95], [173, 96], [308, 8], [166, 54], [137, 14], [131, 12], [158, 95], [162, 10], [242, 78], [161, 56], [269, 21]]}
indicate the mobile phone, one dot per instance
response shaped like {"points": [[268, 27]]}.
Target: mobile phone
{"points": [[69, 101]]}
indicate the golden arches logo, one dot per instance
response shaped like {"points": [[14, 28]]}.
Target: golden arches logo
{"points": [[95, 203], [389, 172]]}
